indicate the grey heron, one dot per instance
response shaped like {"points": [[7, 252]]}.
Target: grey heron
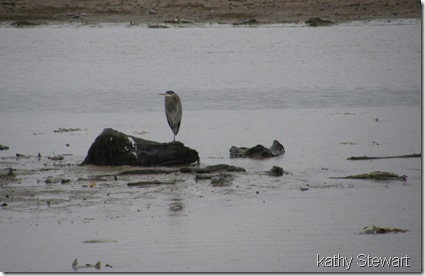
{"points": [[173, 110]]}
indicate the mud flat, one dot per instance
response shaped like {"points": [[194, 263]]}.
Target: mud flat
{"points": [[255, 222], [28, 13]]}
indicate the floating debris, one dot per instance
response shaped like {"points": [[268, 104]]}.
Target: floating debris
{"points": [[65, 180], [150, 183], [376, 175], [381, 230], [100, 241], [414, 155], [160, 26], [3, 147], [62, 130], [75, 265], [75, 262], [148, 171], [56, 157], [348, 143], [52, 179], [213, 168]]}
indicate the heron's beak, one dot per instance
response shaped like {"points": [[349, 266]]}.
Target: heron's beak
{"points": [[163, 94]]}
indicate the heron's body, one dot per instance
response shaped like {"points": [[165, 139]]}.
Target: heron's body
{"points": [[173, 111]]}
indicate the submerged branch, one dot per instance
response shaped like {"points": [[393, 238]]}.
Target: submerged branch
{"points": [[384, 157], [377, 175]]}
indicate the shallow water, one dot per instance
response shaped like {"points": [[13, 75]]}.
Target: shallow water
{"points": [[111, 69], [312, 89]]}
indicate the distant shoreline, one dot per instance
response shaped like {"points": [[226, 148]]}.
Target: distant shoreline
{"points": [[204, 11]]}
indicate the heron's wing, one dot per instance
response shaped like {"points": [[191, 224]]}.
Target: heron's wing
{"points": [[173, 111]]}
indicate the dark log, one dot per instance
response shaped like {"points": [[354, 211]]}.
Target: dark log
{"points": [[150, 183], [381, 230], [113, 148], [414, 155], [376, 175], [258, 152], [148, 171], [213, 168]]}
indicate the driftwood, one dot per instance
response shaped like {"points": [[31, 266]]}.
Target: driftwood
{"points": [[376, 175], [385, 157], [258, 152], [150, 183], [381, 230], [147, 171], [213, 168], [113, 148]]}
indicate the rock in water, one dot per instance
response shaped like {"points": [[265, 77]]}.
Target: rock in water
{"points": [[113, 148], [258, 151], [275, 171]]}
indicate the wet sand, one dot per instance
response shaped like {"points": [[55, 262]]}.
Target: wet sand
{"points": [[204, 11], [55, 210]]}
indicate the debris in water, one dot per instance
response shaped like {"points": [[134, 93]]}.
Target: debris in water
{"points": [[417, 155], [380, 230], [75, 262], [52, 179], [2, 147], [348, 143], [376, 175], [98, 265], [150, 183], [56, 157], [62, 130], [75, 265], [100, 241]]}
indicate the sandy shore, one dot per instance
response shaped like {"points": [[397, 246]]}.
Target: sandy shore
{"points": [[204, 11]]}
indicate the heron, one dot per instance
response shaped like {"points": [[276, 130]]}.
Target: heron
{"points": [[173, 111]]}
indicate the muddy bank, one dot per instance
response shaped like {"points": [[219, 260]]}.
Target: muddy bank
{"points": [[203, 11], [276, 216]]}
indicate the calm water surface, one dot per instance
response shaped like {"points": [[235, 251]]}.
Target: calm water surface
{"points": [[116, 68]]}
